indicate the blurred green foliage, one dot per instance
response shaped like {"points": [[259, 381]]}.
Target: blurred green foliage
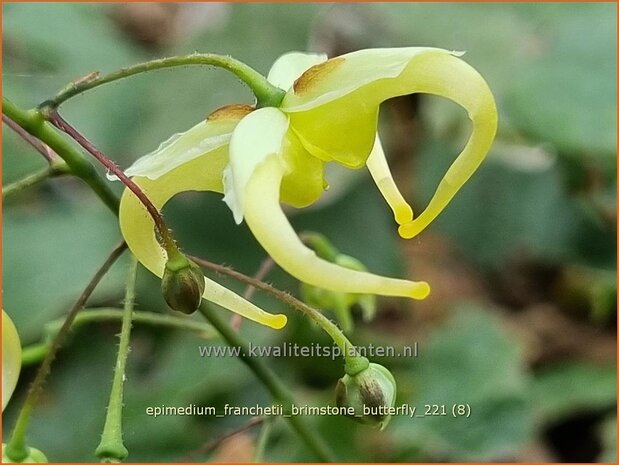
{"points": [[547, 193]]}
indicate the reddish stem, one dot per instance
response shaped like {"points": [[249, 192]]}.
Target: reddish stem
{"points": [[54, 117], [43, 149]]}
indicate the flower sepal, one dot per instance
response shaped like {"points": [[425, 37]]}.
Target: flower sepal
{"points": [[182, 284], [34, 456], [262, 157]]}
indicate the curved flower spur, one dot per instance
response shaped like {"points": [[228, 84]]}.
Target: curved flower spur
{"points": [[261, 157]]}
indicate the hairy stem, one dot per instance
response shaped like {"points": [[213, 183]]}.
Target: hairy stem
{"points": [[44, 150], [265, 267], [16, 448], [325, 323], [168, 241], [271, 381], [33, 123], [56, 165], [35, 353], [266, 94], [111, 448]]}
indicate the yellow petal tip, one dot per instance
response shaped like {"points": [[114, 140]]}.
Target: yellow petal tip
{"points": [[407, 230], [403, 214], [420, 291], [275, 321], [412, 228]]}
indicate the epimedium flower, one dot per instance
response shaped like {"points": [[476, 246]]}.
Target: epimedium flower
{"points": [[260, 157]]}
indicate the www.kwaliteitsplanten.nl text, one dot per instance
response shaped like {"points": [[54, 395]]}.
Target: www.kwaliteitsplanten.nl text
{"points": [[313, 350]]}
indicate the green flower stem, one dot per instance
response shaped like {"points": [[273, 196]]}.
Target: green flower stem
{"points": [[16, 448], [32, 121], [111, 448], [30, 181], [269, 379], [44, 150], [320, 245], [265, 92], [35, 353], [347, 347]]}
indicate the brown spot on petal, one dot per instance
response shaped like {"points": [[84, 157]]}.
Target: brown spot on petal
{"points": [[230, 112], [315, 74]]}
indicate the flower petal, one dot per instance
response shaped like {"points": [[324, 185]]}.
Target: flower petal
{"points": [[333, 108], [288, 67], [201, 174], [271, 228], [182, 148], [379, 169], [304, 181], [342, 75], [11, 358], [258, 136]]}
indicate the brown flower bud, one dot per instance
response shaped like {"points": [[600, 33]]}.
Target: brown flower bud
{"points": [[370, 392], [182, 285]]}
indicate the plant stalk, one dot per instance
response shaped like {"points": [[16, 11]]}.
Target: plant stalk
{"points": [[266, 93], [16, 448], [111, 448], [168, 241], [29, 181], [35, 353], [33, 123], [270, 380], [44, 150], [347, 347]]}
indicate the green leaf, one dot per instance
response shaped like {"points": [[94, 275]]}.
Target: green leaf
{"points": [[469, 360], [504, 210], [551, 66], [27, 28], [55, 250], [42, 56], [573, 387]]}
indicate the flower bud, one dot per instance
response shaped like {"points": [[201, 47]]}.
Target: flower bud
{"points": [[182, 285], [371, 392], [34, 456]]}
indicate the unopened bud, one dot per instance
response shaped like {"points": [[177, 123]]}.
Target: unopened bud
{"points": [[34, 456], [182, 285], [371, 393]]}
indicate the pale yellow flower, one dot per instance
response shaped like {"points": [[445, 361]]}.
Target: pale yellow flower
{"points": [[259, 158]]}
